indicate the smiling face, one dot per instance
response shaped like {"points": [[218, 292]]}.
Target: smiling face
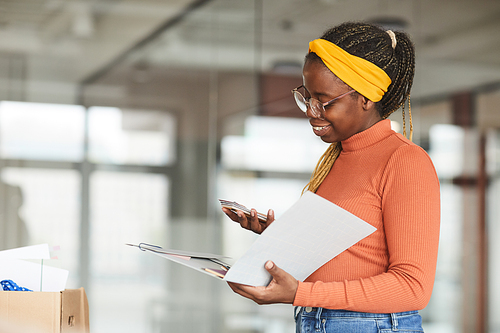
{"points": [[343, 118]]}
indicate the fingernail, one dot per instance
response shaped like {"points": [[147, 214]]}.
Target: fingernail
{"points": [[252, 213], [269, 265]]}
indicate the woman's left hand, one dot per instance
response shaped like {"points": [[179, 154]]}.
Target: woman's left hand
{"points": [[282, 288]]}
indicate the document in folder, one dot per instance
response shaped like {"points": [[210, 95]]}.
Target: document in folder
{"points": [[308, 235], [207, 263]]}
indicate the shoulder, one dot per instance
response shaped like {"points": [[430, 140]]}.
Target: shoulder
{"points": [[404, 148], [408, 158]]}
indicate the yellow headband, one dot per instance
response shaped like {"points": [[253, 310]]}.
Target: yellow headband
{"points": [[363, 76]]}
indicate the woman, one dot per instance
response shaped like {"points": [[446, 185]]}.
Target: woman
{"points": [[354, 77]]}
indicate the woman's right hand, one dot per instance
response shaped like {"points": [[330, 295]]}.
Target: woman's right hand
{"points": [[250, 222]]}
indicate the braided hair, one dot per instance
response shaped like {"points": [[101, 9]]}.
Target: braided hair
{"points": [[374, 44]]}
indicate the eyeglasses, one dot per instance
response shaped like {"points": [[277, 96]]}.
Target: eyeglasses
{"points": [[317, 108]]}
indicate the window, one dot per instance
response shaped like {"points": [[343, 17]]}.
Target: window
{"points": [[38, 131], [141, 137]]}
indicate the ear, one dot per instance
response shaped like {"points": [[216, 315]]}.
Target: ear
{"points": [[367, 104]]}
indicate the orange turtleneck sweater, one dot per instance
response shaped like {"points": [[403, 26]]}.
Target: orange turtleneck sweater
{"points": [[389, 182]]}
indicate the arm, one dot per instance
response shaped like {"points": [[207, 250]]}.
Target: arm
{"points": [[411, 215]]}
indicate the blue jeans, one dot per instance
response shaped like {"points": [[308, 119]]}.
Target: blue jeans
{"points": [[319, 320]]}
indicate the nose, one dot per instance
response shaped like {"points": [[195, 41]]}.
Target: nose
{"points": [[310, 113]]}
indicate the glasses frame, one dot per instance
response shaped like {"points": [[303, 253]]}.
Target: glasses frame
{"points": [[316, 106]]}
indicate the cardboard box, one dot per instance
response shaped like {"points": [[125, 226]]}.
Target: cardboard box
{"points": [[44, 312]]}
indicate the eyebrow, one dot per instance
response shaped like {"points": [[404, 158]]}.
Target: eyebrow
{"points": [[317, 94]]}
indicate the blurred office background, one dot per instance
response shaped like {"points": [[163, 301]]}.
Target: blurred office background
{"points": [[123, 121]]}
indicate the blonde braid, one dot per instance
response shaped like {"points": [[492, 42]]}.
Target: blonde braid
{"points": [[323, 167], [404, 121], [411, 123]]}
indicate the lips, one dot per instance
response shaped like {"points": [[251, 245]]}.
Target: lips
{"points": [[320, 130]]}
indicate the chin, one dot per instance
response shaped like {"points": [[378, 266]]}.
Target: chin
{"points": [[328, 139]]}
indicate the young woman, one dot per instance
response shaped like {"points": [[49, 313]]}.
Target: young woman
{"points": [[354, 77]]}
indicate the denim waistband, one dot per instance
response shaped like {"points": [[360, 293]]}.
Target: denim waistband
{"points": [[321, 315], [313, 312]]}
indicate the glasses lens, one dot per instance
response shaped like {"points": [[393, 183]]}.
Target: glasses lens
{"points": [[300, 100], [317, 108]]}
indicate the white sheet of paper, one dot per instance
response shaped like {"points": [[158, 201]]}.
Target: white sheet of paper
{"points": [[309, 234], [29, 275], [27, 252]]}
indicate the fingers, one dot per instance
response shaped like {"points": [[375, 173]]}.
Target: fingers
{"points": [[282, 288], [283, 285], [277, 273], [232, 215], [238, 217], [262, 225], [256, 294], [250, 222], [255, 225], [270, 216], [244, 220], [239, 289]]}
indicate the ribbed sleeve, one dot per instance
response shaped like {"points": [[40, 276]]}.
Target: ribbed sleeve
{"points": [[390, 183]]}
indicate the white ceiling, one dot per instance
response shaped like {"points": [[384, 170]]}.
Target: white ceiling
{"points": [[458, 41]]}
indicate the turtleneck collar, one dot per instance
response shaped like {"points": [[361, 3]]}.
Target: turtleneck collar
{"points": [[368, 137]]}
